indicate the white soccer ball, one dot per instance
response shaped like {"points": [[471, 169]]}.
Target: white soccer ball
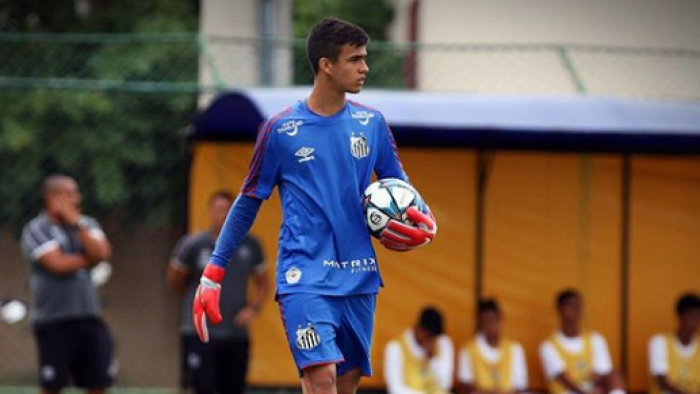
{"points": [[13, 311], [388, 199]]}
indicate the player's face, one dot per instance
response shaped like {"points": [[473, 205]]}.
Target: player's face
{"points": [[572, 311], [350, 69], [67, 193], [690, 321], [218, 209], [425, 339], [490, 324]]}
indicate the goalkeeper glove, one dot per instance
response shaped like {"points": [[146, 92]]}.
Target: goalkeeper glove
{"points": [[404, 237], [206, 300]]}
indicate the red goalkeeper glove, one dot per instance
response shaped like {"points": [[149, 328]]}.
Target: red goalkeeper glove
{"points": [[403, 237], [206, 300]]}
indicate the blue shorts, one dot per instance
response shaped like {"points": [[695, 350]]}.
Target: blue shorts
{"points": [[329, 330]]}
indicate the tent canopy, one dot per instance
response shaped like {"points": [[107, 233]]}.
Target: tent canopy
{"points": [[540, 122]]}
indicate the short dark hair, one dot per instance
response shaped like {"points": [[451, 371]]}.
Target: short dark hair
{"points": [[488, 305], [431, 320], [224, 194], [565, 295], [328, 36], [52, 181], [686, 303]]}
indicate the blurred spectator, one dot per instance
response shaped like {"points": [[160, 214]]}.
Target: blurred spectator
{"points": [[219, 366], [577, 361], [674, 358], [62, 246], [491, 363], [421, 360]]}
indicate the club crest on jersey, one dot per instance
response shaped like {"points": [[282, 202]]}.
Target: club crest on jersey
{"points": [[358, 146], [291, 128], [307, 338], [363, 117]]}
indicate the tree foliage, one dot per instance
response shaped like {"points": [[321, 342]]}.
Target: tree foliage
{"points": [[124, 148]]}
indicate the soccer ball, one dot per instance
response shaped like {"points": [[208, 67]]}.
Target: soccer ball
{"points": [[388, 199]]}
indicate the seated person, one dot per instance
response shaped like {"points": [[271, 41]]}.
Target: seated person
{"points": [[421, 360], [491, 363], [577, 361], [674, 358]]}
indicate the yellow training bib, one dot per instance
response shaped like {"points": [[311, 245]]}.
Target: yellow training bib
{"points": [[492, 376], [683, 372], [578, 365]]}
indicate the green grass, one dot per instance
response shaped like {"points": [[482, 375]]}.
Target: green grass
{"points": [[116, 390]]}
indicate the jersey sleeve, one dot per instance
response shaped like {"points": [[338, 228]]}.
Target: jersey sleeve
{"points": [[388, 164], [552, 364], [443, 365], [393, 370], [180, 256], [94, 228], [264, 167], [602, 364], [465, 372], [37, 241], [658, 357], [519, 368]]}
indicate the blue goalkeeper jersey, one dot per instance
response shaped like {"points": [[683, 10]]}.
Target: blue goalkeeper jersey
{"points": [[322, 166]]}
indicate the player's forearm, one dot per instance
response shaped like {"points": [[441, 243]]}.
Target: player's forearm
{"points": [[261, 290], [95, 249], [563, 379], [64, 264], [238, 222]]}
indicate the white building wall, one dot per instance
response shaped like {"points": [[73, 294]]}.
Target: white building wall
{"points": [[231, 30], [632, 23]]}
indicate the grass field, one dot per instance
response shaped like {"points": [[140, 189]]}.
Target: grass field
{"points": [[145, 390]]}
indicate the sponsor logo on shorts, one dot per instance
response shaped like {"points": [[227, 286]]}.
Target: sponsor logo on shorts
{"points": [[368, 264], [307, 338], [293, 275]]}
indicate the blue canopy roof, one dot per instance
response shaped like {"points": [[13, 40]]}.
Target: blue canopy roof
{"points": [[561, 123]]}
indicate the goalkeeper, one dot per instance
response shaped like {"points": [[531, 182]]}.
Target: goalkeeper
{"points": [[321, 153]]}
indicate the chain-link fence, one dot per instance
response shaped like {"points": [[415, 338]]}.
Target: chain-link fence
{"points": [[473, 68], [109, 110]]}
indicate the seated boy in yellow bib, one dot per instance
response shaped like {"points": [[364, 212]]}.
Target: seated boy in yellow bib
{"points": [[674, 358], [491, 363], [577, 361]]}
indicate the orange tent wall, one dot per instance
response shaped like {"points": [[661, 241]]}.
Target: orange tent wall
{"points": [[550, 221]]}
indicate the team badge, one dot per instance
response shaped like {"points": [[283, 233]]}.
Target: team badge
{"points": [[358, 146], [293, 275], [307, 338]]}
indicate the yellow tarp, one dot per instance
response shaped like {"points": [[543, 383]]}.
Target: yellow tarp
{"points": [[550, 221]]}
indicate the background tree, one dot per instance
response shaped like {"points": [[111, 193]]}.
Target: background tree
{"points": [[123, 147]]}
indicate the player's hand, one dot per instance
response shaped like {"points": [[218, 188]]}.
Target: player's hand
{"points": [[206, 300], [403, 237], [68, 211], [245, 317]]}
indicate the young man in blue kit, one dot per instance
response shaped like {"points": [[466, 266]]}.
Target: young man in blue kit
{"points": [[321, 153]]}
